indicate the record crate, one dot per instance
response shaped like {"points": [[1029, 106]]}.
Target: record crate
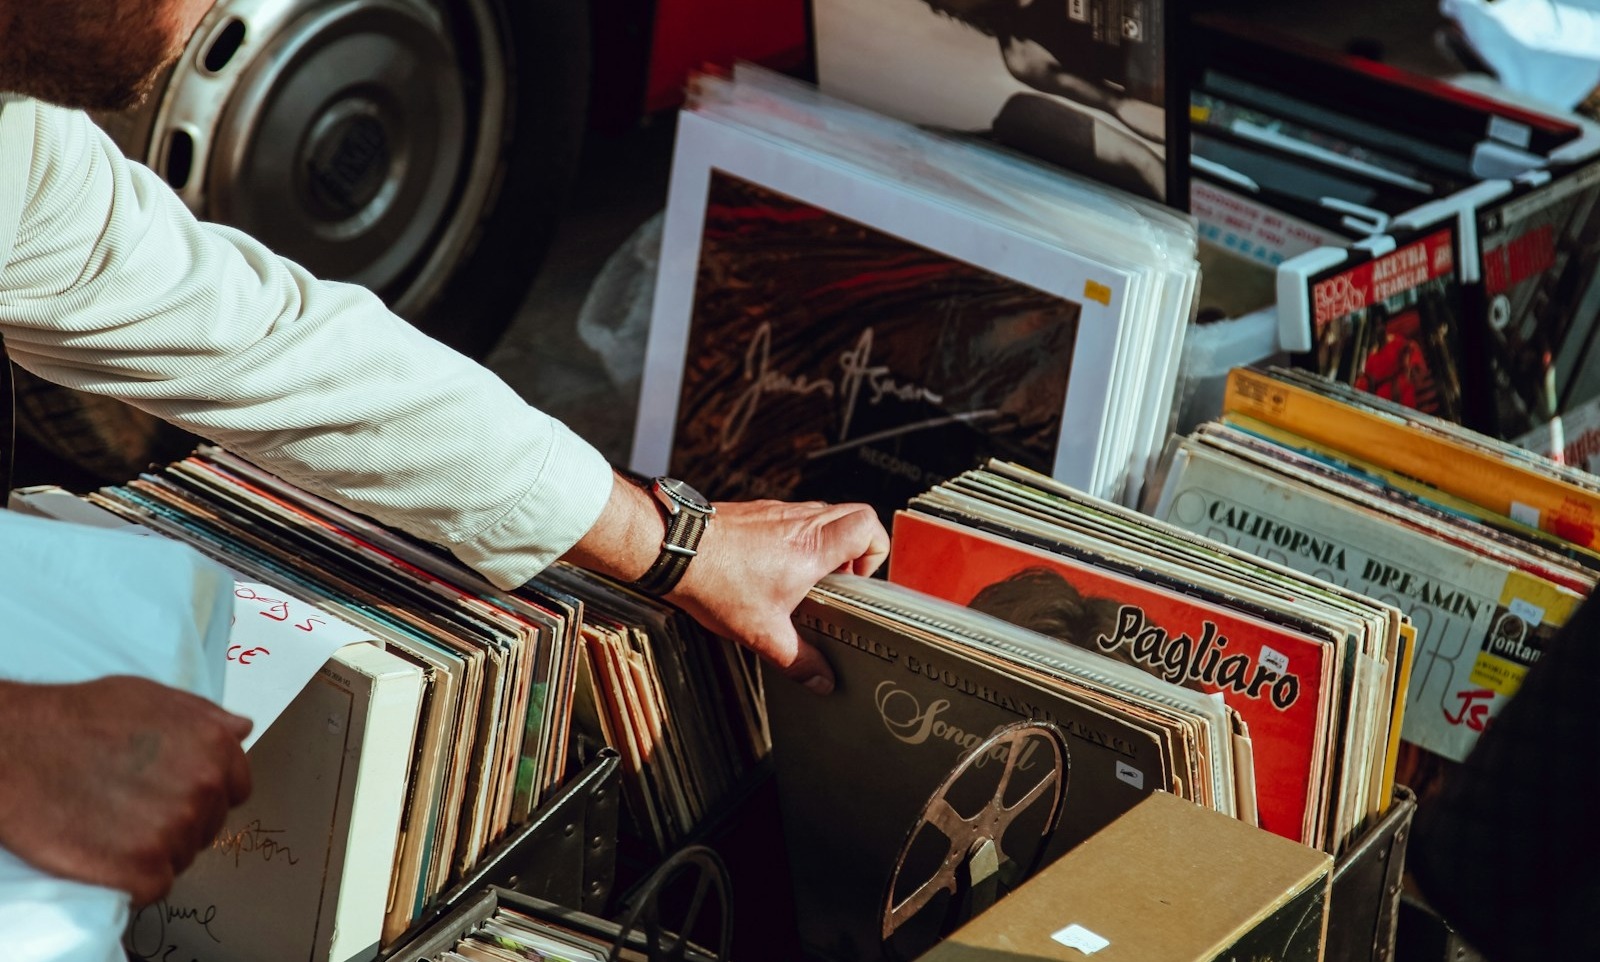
{"points": [[639, 934], [1364, 904], [565, 858]]}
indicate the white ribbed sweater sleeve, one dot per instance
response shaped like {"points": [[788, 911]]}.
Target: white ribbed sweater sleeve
{"points": [[112, 287]]}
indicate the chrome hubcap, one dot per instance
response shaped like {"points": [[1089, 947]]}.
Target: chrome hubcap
{"points": [[344, 135]]}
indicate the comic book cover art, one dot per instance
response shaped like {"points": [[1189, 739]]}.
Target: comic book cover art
{"points": [[827, 360], [1390, 326], [1274, 677], [1082, 84], [1541, 299]]}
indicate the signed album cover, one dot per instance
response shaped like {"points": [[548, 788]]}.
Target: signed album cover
{"points": [[820, 335], [875, 365]]}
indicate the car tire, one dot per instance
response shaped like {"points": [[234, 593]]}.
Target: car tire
{"points": [[515, 98]]}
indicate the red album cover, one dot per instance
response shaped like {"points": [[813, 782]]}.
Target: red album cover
{"points": [[1390, 326], [1272, 675]]}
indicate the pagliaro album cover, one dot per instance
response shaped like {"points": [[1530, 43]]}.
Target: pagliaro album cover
{"points": [[1279, 678], [1083, 84], [890, 786]]}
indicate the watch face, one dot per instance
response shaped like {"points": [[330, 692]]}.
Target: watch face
{"points": [[684, 495]]}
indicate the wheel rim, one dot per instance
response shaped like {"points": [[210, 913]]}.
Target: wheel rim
{"points": [[360, 138]]}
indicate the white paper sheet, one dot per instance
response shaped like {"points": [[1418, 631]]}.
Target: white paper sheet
{"points": [[1546, 49], [275, 645]]}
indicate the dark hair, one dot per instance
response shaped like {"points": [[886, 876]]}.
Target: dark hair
{"points": [[1041, 600], [992, 18]]}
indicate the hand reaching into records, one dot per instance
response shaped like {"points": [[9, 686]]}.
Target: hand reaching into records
{"points": [[117, 782], [758, 560], [750, 568]]}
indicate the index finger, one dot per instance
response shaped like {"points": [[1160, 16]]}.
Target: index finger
{"points": [[859, 540]]}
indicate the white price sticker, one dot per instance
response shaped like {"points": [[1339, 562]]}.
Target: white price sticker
{"points": [[1129, 774], [1526, 513], [1276, 660], [1527, 611], [1077, 937]]}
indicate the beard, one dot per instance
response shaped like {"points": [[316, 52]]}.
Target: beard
{"points": [[89, 54]]}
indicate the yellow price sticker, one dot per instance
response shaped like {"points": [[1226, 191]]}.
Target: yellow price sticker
{"points": [[1095, 291]]}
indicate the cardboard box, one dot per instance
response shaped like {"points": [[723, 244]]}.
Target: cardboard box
{"points": [[1167, 882]]}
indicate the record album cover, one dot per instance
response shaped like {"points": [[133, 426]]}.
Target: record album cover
{"points": [[831, 361], [879, 782], [1541, 300], [1082, 83], [1276, 677], [1390, 325]]}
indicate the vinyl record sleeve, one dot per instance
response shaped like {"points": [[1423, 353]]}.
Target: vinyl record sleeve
{"points": [[1540, 300], [855, 769], [1498, 476], [1478, 622], [1089, 85], [907, 346], [1277, 678], [1390, 324]]}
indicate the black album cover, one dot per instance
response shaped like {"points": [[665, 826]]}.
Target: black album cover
{"points": [[883, 784], [1083, 84], [1540, 300], [830, 361]]}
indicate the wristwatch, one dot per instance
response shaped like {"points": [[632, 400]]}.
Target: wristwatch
{"points": [[687, 513]]}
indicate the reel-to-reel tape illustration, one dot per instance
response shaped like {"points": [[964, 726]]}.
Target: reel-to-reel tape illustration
{"points": [[982, 833]]}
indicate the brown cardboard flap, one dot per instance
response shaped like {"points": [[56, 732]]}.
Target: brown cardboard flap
{"points": [[1167, 882]]}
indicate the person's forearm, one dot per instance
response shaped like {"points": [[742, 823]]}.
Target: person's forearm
{"points": [[624, 541], [115, 289]]}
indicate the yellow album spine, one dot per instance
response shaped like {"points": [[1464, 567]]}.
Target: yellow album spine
{"points": [[1457, 468]]}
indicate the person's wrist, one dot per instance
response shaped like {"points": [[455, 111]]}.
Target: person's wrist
{"points": [[646, 528], [14, 705], [623, 542], [686, 515]]}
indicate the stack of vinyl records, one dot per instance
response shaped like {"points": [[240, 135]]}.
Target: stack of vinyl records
{"points": [[1487, 547], [851, 308], [1039, 661], [1431, 242], [410, 756], [1313, 670], [959, 753]]}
